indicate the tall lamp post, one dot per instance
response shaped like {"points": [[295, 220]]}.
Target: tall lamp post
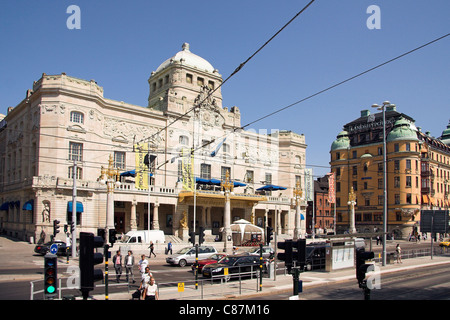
{"points": [[297, 195], [227, 186], [110, 176], [352, 202], [383, 109]]}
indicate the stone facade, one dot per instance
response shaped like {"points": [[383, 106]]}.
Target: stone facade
{"points": [[65, 122]]}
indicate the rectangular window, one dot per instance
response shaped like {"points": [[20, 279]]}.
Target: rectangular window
{"points": [[75, 151], [408, 182], [223, 172], [268, 179], [205, 171], [70, 173], [249, 176], [119, 160]]}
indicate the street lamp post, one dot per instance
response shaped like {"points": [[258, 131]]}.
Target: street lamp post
{"points": [[297, 195], [352, 202], [227, 186], [110, 176], [383, 109]]}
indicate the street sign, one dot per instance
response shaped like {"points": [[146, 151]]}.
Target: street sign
{"points": [[54, 248], [436, 221], [225, 271]]}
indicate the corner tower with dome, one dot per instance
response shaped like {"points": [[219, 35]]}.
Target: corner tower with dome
{"points": [[418, 173], [66, 133]]}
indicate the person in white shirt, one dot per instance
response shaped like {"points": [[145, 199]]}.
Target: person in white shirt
{"points": [[129, 263], [151, 290], [143, 263]]}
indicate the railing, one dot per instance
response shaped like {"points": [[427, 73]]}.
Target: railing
{"points": [[192, 289]]}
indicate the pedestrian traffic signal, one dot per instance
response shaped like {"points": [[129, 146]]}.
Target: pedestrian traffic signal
{"points": [[201, 235], [112, 236], [50, 276], [287, 255], [88, 259], [361, 267], [55, 227], [192, 237], [269, 235]]}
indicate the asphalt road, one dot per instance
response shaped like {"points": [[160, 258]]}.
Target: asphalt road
{"points": [[430, 283]]}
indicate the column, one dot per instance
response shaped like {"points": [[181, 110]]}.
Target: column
{"points": [[133, 222], [155, 222], [352, 203]]}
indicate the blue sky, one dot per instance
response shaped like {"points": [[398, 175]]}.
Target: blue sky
{"points": [[121, 42]]}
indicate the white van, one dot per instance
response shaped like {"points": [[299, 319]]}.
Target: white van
{"points": [[144, 237], [187, 255]]}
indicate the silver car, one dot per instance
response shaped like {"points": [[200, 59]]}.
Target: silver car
{"points": [[187, 255]]}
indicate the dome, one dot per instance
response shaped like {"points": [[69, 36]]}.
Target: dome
{"points": [[342, 141], [186, 57], [402, 131], [445, 137]]}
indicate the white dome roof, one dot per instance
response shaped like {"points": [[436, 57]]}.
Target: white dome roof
{"points": [[189, 59]]}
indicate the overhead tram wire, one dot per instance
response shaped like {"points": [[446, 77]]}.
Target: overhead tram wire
{"points": [[344, 81], [228, 78]]}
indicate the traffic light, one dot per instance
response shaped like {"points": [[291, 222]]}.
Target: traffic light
{"points": [[66, 228], [269, 235], [192, 237], [361, 266], [287, 256], [201, 235], [55, 227], [300, 253], [72, 227], [88, 259], [112, 236], [50, 276]]}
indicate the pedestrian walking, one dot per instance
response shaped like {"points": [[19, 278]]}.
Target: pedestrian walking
{"points": [[151, 290], [143, 263], [117, 260], [398, 250], [169, 248], [152, 247], [129, 263]]}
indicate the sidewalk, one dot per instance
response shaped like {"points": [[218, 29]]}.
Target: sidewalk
{"points": [[248, 288]]}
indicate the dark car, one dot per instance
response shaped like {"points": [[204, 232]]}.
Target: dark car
{"points": [[244, 264], [45, 248], [211, 259]]}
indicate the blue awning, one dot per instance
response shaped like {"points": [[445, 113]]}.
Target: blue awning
{"points": [[28, 205], [4, 206], [79, 206], [271, 187], [131, 173], [217, 182]]}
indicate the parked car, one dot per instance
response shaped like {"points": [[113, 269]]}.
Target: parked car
{"points": [[242, 263], [445, 242], [216, 257], [45, 247], [267, 252], [187, 255]]}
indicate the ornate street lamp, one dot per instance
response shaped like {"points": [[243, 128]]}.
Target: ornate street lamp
{"points": [[297, 195], [352, 202], [110, 176]]}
